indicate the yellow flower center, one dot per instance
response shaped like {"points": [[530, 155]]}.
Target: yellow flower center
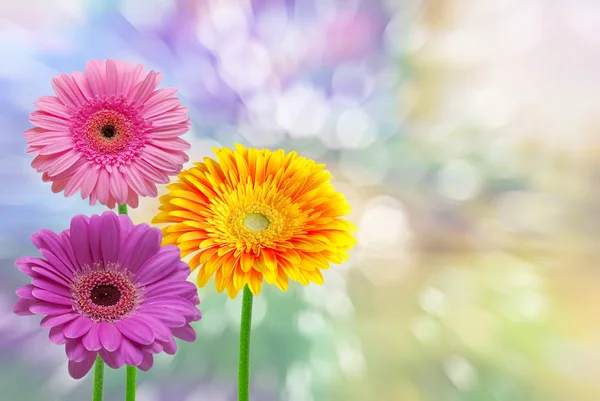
{"points": [[256, 222]]}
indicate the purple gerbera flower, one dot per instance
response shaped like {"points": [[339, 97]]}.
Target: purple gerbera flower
{"points": [[107, 287]]}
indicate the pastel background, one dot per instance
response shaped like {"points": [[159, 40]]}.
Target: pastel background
{"points": [[464, 134]]}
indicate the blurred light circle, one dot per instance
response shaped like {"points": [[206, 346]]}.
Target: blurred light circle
{"points": [[350, 358], [459, 180], [302, 111], [383, 224], [368, 166], [229, 19], [310, 323], [352, 80], [528, 211], [233, 308], [244, 64], [433, 301], [355, 129], [146, 13], [460, 372]]}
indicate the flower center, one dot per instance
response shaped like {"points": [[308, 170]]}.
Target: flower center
{"points": [[105, 292], [256, 222], [108, 131], [105, 295]]}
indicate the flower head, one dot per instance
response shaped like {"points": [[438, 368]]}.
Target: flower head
{"points": [[108, 133], [257, 214], [107, 287]]}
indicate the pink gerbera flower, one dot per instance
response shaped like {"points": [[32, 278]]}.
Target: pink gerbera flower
{"points": [[108, 287], [108, 133]]}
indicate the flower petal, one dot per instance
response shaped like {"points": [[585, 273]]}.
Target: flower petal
{"points": [[136, 330], [78, 327], [186, 333], [77, 370], [91, 340], [110, 240], [132, 354], [76, 351], [110, 336], [159, 265]]}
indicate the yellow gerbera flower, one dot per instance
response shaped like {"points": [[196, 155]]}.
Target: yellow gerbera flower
{"points": [[256, 214]]}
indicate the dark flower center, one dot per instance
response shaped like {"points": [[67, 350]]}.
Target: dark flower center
{"points": [[108, 131], [105, 295]]}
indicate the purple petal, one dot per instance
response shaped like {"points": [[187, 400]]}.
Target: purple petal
{"points": [[51, 297], [126, 226], [113, 359], [58, 267], [132, 354], [55, 320], [181, 288], [78, 327], [94, 232], [56, 335], [110, 238], [25, 291], [161, 331], [136, 330], [52, 286], [22, 307], [146, 363], [168, 316], [170, 347], [76, 351], [186, 333], [24, 265], [77, 370], [177, 304], [158, 266], [80, 240], [142, 243], [50, 274], [49, 309], [110, 336], [65, 237], [54, 244], [91, 340], [154, 348]]}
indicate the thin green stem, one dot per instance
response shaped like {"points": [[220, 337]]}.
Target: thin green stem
{"points": [[130, 388], [131, 370], [98, 379], [244, 365], [122, 209]]}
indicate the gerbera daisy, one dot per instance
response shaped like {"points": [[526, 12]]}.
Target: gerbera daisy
{"points": [[256, 214], [108, 133], [107, 287]]}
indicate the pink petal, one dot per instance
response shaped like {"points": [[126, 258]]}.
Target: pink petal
{"points": [[181, 305], [169, 161], [52, 286], [51, 274], [167, 316], [58, 186], [168, 119], [170, 131], [173, 288], [48, 121], [112, 78], [113, 359], [136, 330], [91, 341], [110, 240], [56, 320], [78, 327], [102, 189], [146, 363], [65, 238], [132, 354], [76, 351], [161, 331], [51, 297], [24, 265], [49, 309], [132, 199], [146, 169], [186, 333], [56, 335], [94, 233], [58, 267], [76, 181], [68, 91], [54, 244], [118, 186], [63, 162], [80, 239], [77, 370], [170, 347], [57, 147], [110, 336], [143, 242], [52, 105], [134, 180], [89, 181], [22, 307], [171, 144], [25, 292], [82, 83], [94, 74], [145, 88], [158, 97], [159, 265], [157, 108]]}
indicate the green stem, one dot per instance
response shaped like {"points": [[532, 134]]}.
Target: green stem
{"points": [[244, 366], [98, 379], [130, 388], [131, 370]]}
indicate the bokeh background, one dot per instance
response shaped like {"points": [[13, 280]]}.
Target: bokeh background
{"points": [[464, 134]]}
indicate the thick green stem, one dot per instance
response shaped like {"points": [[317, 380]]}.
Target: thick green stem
{"points": [[244, 365], [98, 379], [131, 370], [130, 388]]}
